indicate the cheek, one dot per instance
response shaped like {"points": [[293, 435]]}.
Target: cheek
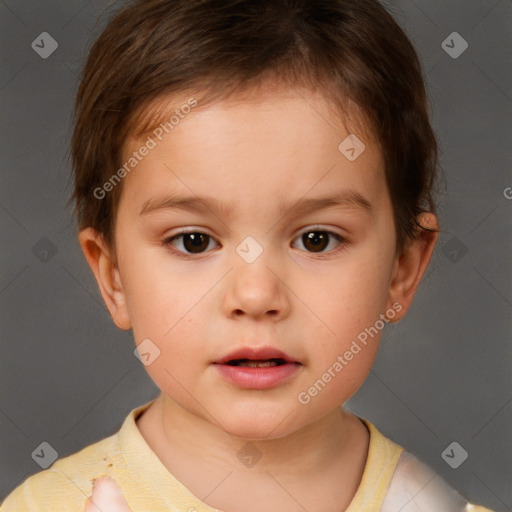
{"points": [[350, 298], [165, 307], [159, 295], [176, 339], [334, 379], [350, 304]]}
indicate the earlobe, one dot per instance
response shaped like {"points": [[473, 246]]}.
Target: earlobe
{"points": [[411, 265], [105, 270]]}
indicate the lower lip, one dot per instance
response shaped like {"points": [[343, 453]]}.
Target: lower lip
{"points": [[258, 378]]}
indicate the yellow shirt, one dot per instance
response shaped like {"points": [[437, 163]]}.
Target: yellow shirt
{"points": [[149, 487]]}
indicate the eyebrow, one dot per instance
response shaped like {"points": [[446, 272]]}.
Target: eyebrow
{"points": [[348, 199]]}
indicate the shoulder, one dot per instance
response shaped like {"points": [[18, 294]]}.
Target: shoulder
{"points": [[416, 486], [395, 479], [67, 484]]}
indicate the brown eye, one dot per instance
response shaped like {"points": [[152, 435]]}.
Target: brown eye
{"points": [[195, 242], [192, 242], [316, 241]]}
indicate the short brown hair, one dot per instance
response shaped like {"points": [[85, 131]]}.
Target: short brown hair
{"points": [[349, 50]]}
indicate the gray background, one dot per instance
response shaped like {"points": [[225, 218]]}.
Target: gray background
{"points": [[69, 377]]}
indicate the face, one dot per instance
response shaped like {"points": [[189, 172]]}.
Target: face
{"points": [[291, 248]]}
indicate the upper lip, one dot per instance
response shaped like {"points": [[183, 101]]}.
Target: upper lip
{"points": [[256, 354]]}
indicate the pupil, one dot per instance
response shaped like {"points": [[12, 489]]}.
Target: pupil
{"points": [[197, 242], [317, 238]]}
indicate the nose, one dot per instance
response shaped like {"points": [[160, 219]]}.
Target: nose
{"points": [[257, 290]]}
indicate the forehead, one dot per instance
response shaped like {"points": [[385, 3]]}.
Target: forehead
{"points": [[279, 142], [267, 92]]}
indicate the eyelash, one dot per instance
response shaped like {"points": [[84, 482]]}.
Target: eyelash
{"points": [[167, 242]]}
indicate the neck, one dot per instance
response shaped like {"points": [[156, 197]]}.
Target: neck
{"points": [[330, 452]]}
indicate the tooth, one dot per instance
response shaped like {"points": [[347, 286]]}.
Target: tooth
{"points": [[258, 364]]}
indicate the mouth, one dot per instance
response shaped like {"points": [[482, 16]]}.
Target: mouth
{"points": [[258, 368], [260, 357], [256, 363]]}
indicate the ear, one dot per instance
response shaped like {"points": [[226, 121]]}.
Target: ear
{"points": [[102, 262], [410, 266]]}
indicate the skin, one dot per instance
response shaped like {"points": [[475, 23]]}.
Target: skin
{"points": [[254, 155], [106, 497]]}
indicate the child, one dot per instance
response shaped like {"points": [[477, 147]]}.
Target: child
{"points": [[253, 184]]}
